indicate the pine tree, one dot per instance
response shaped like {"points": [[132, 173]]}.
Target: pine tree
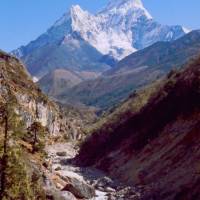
{"points": [[37, 131], [15, 180], [12, 126]]}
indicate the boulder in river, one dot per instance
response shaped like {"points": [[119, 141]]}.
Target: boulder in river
{"points": [[79, 188], [61, 154]]}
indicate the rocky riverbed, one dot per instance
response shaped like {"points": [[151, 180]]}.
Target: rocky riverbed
{"points": [[66, 181]]}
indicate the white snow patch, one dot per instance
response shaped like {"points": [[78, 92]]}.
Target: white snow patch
{"points": [[186, 30], [35, 79]]}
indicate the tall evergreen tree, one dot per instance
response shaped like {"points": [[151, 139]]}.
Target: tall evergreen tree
{"points": [[37, 131]]}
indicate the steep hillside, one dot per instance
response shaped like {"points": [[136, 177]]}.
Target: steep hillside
{"points": [[67, 53], [105, 92], [18, 99], [83, 41], [154, 141], [31, 104], [135, 71], [30, 121], [59, 80]]}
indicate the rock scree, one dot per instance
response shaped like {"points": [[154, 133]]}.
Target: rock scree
{"points": [[69, 181]]}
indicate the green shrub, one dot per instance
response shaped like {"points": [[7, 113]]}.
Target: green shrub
{"points": [[20, 181]]}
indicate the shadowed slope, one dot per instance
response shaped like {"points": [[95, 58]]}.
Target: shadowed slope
{"points": [[158, 144]]}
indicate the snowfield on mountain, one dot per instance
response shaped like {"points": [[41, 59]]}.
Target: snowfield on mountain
{"points": [[123, 26]]}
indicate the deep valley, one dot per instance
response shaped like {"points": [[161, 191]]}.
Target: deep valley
{"points": [[102, 106]]}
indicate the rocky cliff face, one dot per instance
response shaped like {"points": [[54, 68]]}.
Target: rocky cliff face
{"points": [[39, 110], [32, 105], [153, 139]]}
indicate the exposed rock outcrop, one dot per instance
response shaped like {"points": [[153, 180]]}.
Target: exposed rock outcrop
{"points": [[31, 104], [79, 189]]}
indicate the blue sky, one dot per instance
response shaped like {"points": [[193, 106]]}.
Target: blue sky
{"points": [[23, 20]]}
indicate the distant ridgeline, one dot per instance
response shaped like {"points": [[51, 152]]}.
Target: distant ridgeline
{"points": [[134, 72], [80, 46]]}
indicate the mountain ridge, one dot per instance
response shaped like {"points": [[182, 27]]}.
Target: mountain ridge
{"points": [[123, 28], [134, 72]]}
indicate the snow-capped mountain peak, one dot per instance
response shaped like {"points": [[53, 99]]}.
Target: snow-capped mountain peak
{"points": [[125, 6], [109, 31], [122, 27], [81, 20], [76, 10], [118, 3]]}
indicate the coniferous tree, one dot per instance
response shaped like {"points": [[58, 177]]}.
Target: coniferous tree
{"points": [[12, 126], [37, 131], [15, 180]]}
